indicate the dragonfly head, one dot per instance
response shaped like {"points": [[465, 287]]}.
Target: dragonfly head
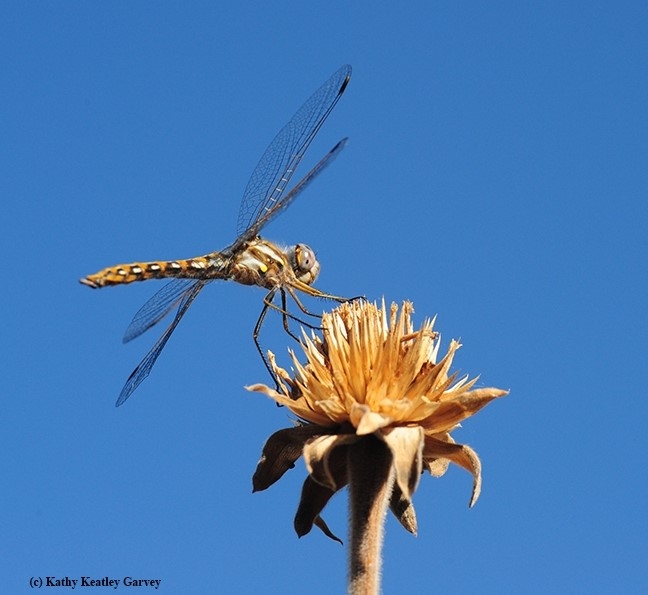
{"points": [[303, 262]]}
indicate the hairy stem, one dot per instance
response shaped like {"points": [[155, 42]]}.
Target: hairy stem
{"points": [[370, 483]]}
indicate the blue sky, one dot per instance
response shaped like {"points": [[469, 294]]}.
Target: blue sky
{"points": [[496, 176]]}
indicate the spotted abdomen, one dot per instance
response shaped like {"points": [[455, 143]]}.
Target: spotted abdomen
{"points": [[192, 268]]}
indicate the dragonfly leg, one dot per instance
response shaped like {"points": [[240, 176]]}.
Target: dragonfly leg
{"points": [[267, 303], [284, 310], [301, 306], [285, 315]]}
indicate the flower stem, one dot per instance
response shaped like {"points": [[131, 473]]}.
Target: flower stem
{"points": [[370, 475]]}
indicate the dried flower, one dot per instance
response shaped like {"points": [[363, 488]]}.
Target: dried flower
{"points": [[375, 409]]}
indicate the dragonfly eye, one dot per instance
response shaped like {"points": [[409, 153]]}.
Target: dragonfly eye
{"points": [[304, 263], [304, 258]]}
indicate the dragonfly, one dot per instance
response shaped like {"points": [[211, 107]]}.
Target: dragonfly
{"points": [[250, 259]]}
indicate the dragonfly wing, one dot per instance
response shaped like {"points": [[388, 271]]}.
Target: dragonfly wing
{"points": [[144, 368], [156, 308], [301, 185], [261, 199]]}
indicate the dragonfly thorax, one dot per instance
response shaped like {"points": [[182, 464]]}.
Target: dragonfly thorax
{"points": [[265, 264], [303, 262], [262, 263]]}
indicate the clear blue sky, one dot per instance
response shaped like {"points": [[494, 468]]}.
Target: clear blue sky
{"points": [[496, 176]]}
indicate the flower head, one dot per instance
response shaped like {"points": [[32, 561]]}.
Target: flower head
{"points": [[372, 382]]}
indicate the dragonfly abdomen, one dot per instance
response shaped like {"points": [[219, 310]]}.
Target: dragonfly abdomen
{"points": [[191, 268]]}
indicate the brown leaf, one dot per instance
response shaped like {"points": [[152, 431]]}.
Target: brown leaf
{"points": [[461, 455], [279, 454], [314, 498], [325, 458], [319, 522], [403, 510]]}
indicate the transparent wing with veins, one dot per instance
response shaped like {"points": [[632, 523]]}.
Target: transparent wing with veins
{"points": [[261, 199], [158, 306], [143, 369]]}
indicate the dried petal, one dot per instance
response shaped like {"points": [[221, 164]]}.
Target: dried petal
{"points": [[451, 412], [366, 421], [406, 445]]}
